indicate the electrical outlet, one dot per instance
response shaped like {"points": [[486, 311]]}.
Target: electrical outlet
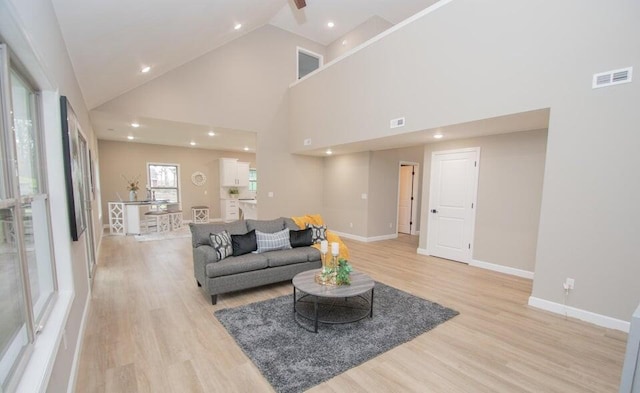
{"points": [[350, 225], [570, 283], [390, 225]]}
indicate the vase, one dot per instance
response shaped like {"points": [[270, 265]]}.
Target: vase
{"points": [[133, 196]]}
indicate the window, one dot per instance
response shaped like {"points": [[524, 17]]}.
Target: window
{"points": [[307, 62], [253, 180], [164, 181], [27, 273]]}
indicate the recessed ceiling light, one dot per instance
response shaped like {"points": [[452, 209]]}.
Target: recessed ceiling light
{"points": [[211, 133], [130, 137], [344, 42], [145, 69], [192, 143], [329, 152], [246, 148], [135, 125], [438, 136], [331, 24], [238, 26]]}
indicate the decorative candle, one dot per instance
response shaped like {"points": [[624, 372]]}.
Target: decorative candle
{"points": [[335, 248], [324, 246]]}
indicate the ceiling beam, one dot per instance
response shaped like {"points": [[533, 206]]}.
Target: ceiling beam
{"points": [[300, 3]]}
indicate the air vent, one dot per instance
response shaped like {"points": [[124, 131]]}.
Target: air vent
{"points": [[395, 123], [611, 78]]}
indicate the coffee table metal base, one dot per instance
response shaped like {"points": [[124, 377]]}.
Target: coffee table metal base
{"points": [[318, 309]]}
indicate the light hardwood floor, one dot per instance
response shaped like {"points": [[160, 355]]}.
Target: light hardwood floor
{"points": [[151, 329]]}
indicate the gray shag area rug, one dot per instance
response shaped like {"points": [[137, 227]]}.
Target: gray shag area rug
{"points": [[294, 359]]}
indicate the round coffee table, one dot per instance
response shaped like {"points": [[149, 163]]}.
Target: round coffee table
{"points": [[332, 304]]}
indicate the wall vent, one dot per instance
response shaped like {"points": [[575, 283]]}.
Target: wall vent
{"points": [[611, 78], [395, 123]]}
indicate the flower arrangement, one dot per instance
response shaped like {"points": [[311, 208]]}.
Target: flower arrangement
{"points": [[132, 185]]}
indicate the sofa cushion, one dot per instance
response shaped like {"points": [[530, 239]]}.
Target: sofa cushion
{"points": [[319, 232], [221, 242], [244, 244], [273, 241], [289, 257], [266, 226], [301, 238], [235, 265], [200, 232], [289, 223]]}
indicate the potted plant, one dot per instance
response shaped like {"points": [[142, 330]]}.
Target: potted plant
{"points": [[234, 192]]}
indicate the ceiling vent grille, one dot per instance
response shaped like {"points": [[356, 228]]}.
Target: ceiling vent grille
{"points": [[611, 78]]}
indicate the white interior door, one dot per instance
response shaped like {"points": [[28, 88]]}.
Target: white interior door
{"points": [[407, 198], [452, 200]]}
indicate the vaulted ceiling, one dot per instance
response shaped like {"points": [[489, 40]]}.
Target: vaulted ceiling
{"points": [[109, 42]]}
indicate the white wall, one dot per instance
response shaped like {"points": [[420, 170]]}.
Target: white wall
{"points": [[376, 174], [470, 60], [361, 33]]}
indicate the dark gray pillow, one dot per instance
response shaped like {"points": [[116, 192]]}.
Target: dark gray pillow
{"points": [[221, 242], [301, 238], [244, 244]]}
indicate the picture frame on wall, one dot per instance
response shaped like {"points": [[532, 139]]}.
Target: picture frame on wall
{"points": [[72, 171]]}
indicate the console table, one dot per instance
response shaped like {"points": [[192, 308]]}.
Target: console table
{"points": [[125, 217]]}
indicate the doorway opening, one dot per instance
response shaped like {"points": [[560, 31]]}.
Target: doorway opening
{"points": [[408, 187]]}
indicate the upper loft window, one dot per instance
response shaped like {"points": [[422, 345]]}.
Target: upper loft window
{"points": [[307, 62]]}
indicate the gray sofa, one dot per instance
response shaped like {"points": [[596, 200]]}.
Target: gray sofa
{"points": [[248, 270]]}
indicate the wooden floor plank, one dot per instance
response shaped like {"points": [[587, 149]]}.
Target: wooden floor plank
{"points": [[151, 329]]}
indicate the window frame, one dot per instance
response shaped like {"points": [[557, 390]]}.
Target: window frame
{"points": [[307, 52], [11, 198], [254, 181], [178, 179]]}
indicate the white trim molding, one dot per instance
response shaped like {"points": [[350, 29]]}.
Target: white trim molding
{"points": [[423, 251], [502, 269], [73, 378], [366, 239], [583, 315]]}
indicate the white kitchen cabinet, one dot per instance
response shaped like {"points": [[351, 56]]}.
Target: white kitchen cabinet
{"points": [[229, 209], [233, 173], [243, 174]]}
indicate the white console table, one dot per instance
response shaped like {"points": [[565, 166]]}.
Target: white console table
{"points": [[125, 217]]}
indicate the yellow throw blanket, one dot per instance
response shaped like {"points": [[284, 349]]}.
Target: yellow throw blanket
{"points": [[316, 219]]}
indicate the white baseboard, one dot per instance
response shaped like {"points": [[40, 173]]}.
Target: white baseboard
{"points": [[502, 269], [583, 315], [422, 251], [73, 378], [366, 239]]}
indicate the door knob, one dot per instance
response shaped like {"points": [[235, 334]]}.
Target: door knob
{"points": [[434, 211]]}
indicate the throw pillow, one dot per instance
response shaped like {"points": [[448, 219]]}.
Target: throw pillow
{"points": [[302, 238], [244, 244], [319, 233], [221, 242], [273, 241]]}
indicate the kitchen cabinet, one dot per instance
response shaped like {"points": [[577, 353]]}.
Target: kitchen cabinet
{"points": [[234, 173], [229, 209]]}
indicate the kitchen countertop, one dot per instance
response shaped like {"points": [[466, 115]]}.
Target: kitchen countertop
{"points": [[248, 201]]}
